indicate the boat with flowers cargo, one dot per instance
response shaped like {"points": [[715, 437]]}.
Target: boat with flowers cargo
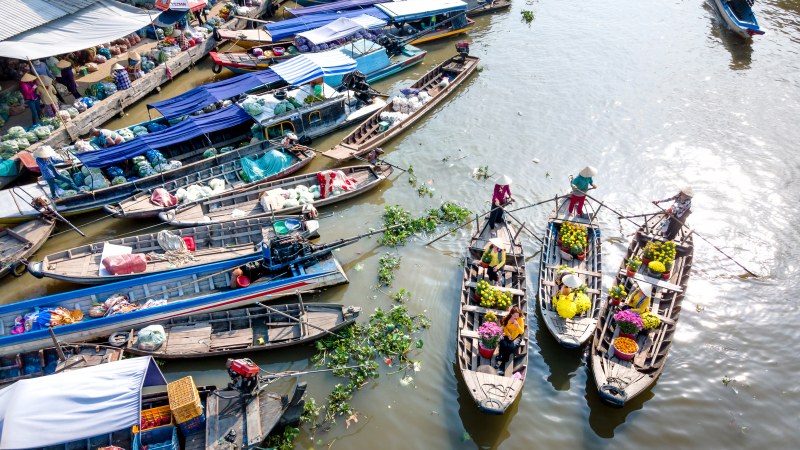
{"points": [[571, 256], [492, 391], [624, 367]]}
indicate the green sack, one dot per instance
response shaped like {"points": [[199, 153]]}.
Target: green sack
{"points": [[8, 168]]}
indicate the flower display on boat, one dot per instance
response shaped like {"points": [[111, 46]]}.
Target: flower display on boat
{"points": [[663, 252], [568, 306], [490, 317], [489, 333], [650, 320], [617, 292], [656, 267], [634, 263], [491, 297], [573, 238], [626, 345], [629, 321]]}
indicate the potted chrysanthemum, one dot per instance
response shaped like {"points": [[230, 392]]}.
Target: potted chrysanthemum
{"points": [[489, 333]]}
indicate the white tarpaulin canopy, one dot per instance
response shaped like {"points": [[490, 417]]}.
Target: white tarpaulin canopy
{"points": [[75, 405], [308, 66], [338, 29], [96, 24]]}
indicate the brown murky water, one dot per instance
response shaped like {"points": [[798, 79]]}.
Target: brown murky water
{"points": [[653, 94]]}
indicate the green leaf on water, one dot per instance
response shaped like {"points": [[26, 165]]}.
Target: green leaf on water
{"points": [[420, 343], [466, 437]]}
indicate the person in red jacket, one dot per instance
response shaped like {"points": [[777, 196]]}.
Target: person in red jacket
{"points": [[27, 85]]}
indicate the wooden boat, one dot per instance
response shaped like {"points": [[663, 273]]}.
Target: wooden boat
{"points": [[46, 361], [573, 332], [140, 206], [474, 8], [739, 17], [189, 290], [245, 62], [488, 7], [427, 20], [248, 330], [20, 242], [370, 135], [220, 208], [493, 393], [230, 241], [618, 380], [245, 38]]}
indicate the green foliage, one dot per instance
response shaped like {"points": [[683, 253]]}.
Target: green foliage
{"points": [[401, 296], [409, 225], [481, 173], [283, 441], [527, 16], [387, 264]]}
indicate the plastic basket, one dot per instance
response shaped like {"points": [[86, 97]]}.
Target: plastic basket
{"points": [[184, 400], [161, 438], [286, 226], [153, 415], [195, 425]]}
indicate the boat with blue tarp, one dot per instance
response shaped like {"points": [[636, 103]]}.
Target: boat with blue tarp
{"points": [[426, 20], [739, 17]]}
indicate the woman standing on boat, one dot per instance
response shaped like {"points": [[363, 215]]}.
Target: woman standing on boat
{"points": [[513, 327], [500, 198], [678, 212], [494, 257], [580, 185]]}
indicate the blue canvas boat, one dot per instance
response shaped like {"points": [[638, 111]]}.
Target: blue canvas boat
{"points": [[739, 16]]}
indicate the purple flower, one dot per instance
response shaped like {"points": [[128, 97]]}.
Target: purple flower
{"points": [[629, 320], [490, 333]]}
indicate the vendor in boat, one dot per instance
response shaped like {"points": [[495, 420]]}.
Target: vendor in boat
{"points": [[568, 283], [243, 276], [289, 140], [106, 138], [44, 156], [678, 212], [513, 328], [580, 185], [639, 300], [494, 256], [27, 86], [500, 198], [67, 78]]}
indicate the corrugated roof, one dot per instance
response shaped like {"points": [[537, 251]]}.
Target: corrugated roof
{"points": [[29, 14]]}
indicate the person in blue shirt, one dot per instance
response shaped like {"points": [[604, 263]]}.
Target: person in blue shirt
{"points": [[580, 185], [44, 159]]}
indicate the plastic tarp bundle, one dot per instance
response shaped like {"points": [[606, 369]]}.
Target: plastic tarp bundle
{"points": [[190, 128], [339, 5], [101, 22], [75, 405], [202, 96], [338, 29], [419, 9], [269, 164], [290, 27], [304, 68], [168, 18]]}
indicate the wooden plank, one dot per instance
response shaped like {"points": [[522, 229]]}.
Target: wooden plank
{"points": [[232, 339], [482, 310], [656, 282], [550, 283], [469, 334], [254, 432], [277, 334], [188, 339], [578, 270]]}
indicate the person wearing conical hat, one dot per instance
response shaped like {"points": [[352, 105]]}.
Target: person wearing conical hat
{"points": [[639, 299], [500, 198], [494, 256], [27, 86], [121, 78], [44, 156], [580, 185], [680, 210], [48, 95], [67, 78]]}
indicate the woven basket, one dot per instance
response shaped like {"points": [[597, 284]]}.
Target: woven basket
{"points": [[184, 400]]}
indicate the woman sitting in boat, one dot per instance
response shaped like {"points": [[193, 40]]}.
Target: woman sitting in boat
{"points": [[639, 300], [494, 256], [568, 282], [243, 276], [501, 197], [513, 327], [678, 212]]}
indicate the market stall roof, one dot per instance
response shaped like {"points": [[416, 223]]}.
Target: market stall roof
{"points": [[306, 67], [419, 9], [192, 127], [338, 29], [339, 5], [103, 21], [290, 27], [75, 405], [29, 14]]}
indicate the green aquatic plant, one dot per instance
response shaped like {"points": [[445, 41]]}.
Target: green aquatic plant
{"points": [[387, 264], [407, 226], [527, 16]]}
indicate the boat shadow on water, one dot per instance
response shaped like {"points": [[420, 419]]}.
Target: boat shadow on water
{"points": [[741, 50], [486, 431], [603, 418], [562, 362]]}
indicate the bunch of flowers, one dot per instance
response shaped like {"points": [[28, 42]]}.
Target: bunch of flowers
{"points": [[634, 263], [629, 321], [482, 288], [490, 317], [491, 297], [657, 266], [582, 302], [664, 252], [626, 345], [650, 320], [573, 237], [617, 292], [568, 306], [490, 333]]}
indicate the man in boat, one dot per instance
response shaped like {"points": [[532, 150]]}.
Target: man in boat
{"points": [[494, 256], [289, 140], [501, 197], [44, 159], [580, 185], [242, 276], [639, 300], [105, 137], [678, 212]]}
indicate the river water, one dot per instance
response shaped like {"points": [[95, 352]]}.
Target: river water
{"points": [[653, 94]]}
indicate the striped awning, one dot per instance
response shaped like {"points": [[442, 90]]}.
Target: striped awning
{"points": [[306, 67]]}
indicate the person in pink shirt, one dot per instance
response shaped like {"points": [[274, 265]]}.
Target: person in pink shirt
{"points": [[501, 197], [27, 86]]}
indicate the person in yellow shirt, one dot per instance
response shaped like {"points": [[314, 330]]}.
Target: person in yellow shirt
{"points": [[639, 300], [494, 256], [513, 329]]}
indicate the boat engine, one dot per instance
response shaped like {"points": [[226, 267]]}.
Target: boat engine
{"points": [[244, 375], [462, 48], [357, 82], [392, 45]]}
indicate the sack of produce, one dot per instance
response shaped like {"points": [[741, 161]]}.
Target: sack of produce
{"points": [[162, 197], [23, 143], [114, 171], [118, 180], [125, 264], [210, 153], [31, 137], [16, 132], [73, 112], [151, 338], [126, 134], [97, 310], [78, 178], [139, 130]]}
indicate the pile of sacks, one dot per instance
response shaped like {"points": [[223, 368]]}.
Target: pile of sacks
{"points": [[403, 106], [279, 198], [198, 192]]}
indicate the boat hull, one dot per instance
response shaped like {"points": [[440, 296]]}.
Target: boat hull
{"points": [[744, 23]]}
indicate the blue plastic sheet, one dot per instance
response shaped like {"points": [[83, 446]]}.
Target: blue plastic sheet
{"points": [[269, 164], [339, 5], [290, 27]]}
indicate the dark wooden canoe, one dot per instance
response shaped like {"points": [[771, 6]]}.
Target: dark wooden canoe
{"points": [[248, 330], [617, 380], [139, 205], [22, 241], [493, 393], [220, 208], [21, 366], [213, 243], [368, 135], [577, 331], [488, 7]]}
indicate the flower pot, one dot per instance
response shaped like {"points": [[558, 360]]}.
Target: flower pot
{"points": [[626, 335], [484, 265], [485, 352], [645, 261], [631, 273], [624, 356], [615, 301], [666, 275], [581, 256], [654, 274], [477, 297]]}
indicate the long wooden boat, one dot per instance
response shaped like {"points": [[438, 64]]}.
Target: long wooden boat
{"points": [[573, 332], [140, 206], [235, 240], [618, 380], [409, 18], [189, 290], [248, 330], [20, 242], [220, 208], [739, 17], [246, 38], [474, 8], [492, 393], [370, 135], [46, 361], [488, 7]]}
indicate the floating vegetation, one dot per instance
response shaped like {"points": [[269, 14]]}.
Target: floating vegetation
{"points": [[285, 440], [481, 173], [527, 16], [409, 226], [401, 296], [422, 188], [387, 264]]}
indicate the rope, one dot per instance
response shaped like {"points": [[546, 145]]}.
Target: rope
{"points": [[83, 225]]}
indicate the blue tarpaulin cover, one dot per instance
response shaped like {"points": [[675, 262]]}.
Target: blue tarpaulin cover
{"points": [[339, 5], [190, 128], [290, 27], [169, 17], [306, 67], [269, 164], [419, 9]]}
